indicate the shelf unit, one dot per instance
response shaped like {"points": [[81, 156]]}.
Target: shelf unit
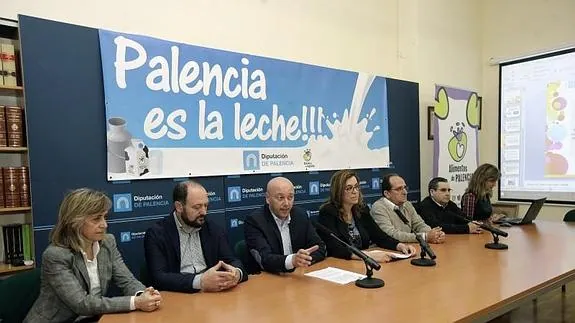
{"points": [[13, 95]]}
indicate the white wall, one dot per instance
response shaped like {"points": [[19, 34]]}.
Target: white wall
{"points": [[424, 41], [513, 28]]}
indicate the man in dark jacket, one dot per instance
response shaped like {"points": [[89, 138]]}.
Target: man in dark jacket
{"points": [[437, 210], [279, 236], [186, 252]]}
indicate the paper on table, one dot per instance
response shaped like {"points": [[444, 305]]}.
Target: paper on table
{"points": [[395, 255], [336, 275]]}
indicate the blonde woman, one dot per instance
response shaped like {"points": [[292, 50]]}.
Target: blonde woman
{"points": [[476, 201], [80, 264]]}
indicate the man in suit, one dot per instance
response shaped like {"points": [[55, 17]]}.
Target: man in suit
{"points": [[186, 252], [437, 210], [397, 217], [279, 236]]}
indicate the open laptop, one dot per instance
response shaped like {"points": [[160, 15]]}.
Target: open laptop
{"points": [[531, 214]]}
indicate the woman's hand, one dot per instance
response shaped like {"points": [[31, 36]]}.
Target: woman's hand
{"points": [[149, 300]]}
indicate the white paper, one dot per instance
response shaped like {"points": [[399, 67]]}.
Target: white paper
{"points": [[395, 255], [336, 275]]}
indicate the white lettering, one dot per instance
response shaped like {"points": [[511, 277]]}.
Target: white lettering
{"points": [[121, 65]]}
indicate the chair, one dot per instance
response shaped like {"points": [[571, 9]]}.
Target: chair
{"points": [[569, 217], [144, 275], [17, 295], [241, 251]]}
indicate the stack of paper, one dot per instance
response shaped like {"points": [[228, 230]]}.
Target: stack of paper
{"points": [[336, 275]]}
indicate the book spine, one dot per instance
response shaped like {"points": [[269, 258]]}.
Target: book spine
{"points": [[8, 64], [14, 126], [11, 187]]}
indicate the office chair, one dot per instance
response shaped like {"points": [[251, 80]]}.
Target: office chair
{"points": [[17, 295]]}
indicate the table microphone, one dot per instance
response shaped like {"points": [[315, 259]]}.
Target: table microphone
{"points": [[370, 263], [494, 231], [425, 248]]}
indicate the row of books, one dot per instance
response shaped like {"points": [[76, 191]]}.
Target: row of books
{"points": [[7, 64], [17, 240], [14, 187], [12, 127]]}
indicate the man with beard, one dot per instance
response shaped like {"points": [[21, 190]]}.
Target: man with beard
{"points": [[186, 252], [279, 236]]}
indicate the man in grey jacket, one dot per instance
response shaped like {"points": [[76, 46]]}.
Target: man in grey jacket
{"points": [[397, 217]]}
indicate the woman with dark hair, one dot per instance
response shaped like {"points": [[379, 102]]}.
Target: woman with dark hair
{"points": [[347, 216], [476, 201], [80, 264]]}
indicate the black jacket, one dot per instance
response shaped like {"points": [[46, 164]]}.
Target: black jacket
{"points": [[264, 242], [163, 257], [444, 217], [368, 229]]}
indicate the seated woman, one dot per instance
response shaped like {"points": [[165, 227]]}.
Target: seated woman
{"points": [[347, 216], [80, 264], [476, 201]]}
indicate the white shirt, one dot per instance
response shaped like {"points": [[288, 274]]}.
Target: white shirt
{"points": [[283, 227], [94, 277]]}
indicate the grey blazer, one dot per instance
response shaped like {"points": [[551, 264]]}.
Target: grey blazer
{"points": [[65, 285]]}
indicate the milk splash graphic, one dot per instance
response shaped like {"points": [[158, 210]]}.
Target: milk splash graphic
{"points": [[350, 136]]}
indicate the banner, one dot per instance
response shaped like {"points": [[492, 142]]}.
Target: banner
{"points": [[177, 110], [457, 119]]}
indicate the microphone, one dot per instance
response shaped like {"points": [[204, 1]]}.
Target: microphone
{"points": [[425, 248], [370, 263], [368, 260], [494, 231]]}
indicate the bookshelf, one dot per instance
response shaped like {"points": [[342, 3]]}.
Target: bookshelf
{"points": [[15, 209]]}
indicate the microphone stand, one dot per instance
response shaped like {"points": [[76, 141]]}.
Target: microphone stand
{"points": [[425, 249], [425, 262], [494, 232], [369, 281], [495, 244]]}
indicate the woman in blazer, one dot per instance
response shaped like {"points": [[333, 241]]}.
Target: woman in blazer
{"points": [[346, 215], [81, 262]]}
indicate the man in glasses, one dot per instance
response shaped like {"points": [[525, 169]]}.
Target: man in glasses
{"points": [[438, 210], [397, 217], [279, 236]]}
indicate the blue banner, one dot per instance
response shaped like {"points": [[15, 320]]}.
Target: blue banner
{"points": [[178, 110]]}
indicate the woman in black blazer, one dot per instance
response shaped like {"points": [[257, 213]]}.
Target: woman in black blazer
{"points": [[346, 215]]}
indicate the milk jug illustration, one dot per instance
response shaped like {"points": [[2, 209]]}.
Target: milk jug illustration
{"points": [[118, 140]]}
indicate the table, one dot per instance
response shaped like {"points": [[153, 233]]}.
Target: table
{"points": [[469, 284]]}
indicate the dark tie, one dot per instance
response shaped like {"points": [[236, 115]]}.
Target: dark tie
{"points": [[401, 216]]}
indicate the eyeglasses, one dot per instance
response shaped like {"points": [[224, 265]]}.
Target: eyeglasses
{"points": [[350, 188], [401, 188]]}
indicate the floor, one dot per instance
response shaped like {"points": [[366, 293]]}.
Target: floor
{"points": [[553, 307]]}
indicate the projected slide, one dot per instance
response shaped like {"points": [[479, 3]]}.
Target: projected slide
{"points": [[537, 128]]}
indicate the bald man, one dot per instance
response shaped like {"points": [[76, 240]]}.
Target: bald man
{"points": [[280, 236]]}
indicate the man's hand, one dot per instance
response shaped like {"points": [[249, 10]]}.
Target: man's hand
{"points": [[148, 301], [302, 258], [435, 235], [474, 227], [406, 249], [236, 271], [217, 278]]}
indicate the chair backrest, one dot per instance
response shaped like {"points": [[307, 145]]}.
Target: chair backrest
{"points": [[17, 295], [241, 251], [144, 275], [569, 216]]}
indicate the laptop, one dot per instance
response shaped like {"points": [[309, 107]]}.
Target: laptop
{"points": [[531, 214]]}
